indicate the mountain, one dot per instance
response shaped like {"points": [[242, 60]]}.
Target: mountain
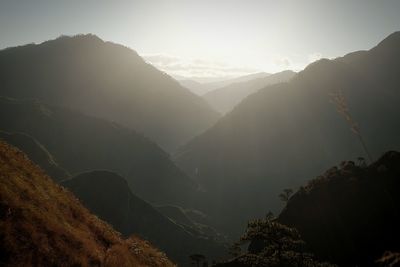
{"points": [[191, 224], [280, 136], [82, 143], [37, 153], [42, 224], [350, 215], [108, 195], [105, 80], [201, 86], [226, 98], [195, 87]]}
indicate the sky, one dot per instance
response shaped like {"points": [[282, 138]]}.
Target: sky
{"points": [[210, 38]]}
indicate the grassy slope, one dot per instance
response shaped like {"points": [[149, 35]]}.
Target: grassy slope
{"points": [[43, 224]]}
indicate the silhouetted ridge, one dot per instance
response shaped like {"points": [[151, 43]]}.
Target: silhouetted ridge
{"points": [[350, 215]]}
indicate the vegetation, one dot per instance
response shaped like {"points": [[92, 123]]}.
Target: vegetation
{"points": [[285, 195], [197, 259], [354, 208], [43, 224], [343, 109], [390, 259], [107, 195], [272, 244]]}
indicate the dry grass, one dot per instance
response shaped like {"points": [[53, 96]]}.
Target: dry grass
{"points": [[43, 224]]}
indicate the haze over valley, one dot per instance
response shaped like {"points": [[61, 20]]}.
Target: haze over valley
{"points": [[213, 133]]}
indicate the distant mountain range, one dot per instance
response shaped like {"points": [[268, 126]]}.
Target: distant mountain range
{"points": [[285, 133], [201, 86], [105, 80], [43, 224], [224, 99]]}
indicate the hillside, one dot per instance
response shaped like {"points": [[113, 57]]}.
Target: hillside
{"points": [[197, 226], [224, 99], [107, 195], [201, 86], [280, 136], [350, 215], [105, 80], [81, 143], [37, 153], [42, 224]]}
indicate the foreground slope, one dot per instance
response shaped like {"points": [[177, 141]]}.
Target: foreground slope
{"points": [[107, 195], [284, 134], [42, 224], [106, 80], [81, 143], [224, 99], [350, 215]]}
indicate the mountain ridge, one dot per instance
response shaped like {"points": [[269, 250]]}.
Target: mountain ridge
{"points": [[245, 156], [105, 80], [99, 144]]}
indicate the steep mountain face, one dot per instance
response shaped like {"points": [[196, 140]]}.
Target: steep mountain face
{"points": [[108, 81], [350, 215], [226, 98], [284, 134], [108, 195], [197, 227], [37, 153], [42, 224], [201, 86], [81, 143]]}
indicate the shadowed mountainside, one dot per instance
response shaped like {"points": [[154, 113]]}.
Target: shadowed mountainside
{"points": [[224, 99], [350, 215], [37, 153], [105, 80], [107, 195], [197, 226], [81, 143], [42, 224], [280, 136]]}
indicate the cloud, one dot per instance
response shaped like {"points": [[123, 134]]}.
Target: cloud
{"points": [[195, 67], [314, 57], [283, 62]]}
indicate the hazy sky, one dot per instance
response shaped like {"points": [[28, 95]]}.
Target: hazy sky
{"points": [[210, 37]]}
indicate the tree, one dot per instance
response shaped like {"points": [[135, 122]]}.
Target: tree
{"points": [[361, 162], [339, 100], [285, 195], [197, 259], [273, 244], [235, 249]]}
